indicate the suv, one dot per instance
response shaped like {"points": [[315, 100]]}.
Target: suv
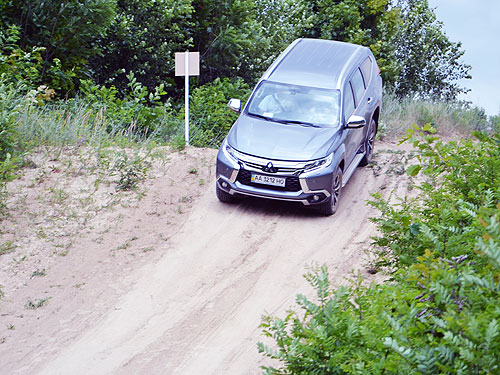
{"points": [[309, 122]]}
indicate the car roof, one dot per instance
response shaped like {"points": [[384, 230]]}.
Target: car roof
{"points": [[315, 62]]}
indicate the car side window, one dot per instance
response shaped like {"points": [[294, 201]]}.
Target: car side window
{"points": [[366, 69], [358, 85], [348, 101]]}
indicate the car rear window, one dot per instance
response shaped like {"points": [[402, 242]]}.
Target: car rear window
{"points": [[348, 101], [358, 85], [366, 69]]}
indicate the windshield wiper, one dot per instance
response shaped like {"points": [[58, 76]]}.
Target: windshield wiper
{"points": [[300, 123], [285, 121], [261, 116]]}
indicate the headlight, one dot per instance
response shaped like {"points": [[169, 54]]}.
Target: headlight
{"points": [[228, 150], [320, 163]]}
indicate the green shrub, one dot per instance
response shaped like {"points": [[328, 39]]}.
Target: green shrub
{"points": [[442, 317], [140, 111], [17, 65], [438, 312], [462, 182], [210, 119]]}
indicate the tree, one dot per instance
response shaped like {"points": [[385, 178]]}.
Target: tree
{"points": [[143, 38], [229, 38], [65, 29], [429, 63]]}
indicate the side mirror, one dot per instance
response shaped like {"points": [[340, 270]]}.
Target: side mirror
{"points": [[234, 105], [355, 122]]}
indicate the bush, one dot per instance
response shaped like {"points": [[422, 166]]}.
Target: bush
{"points": [[140, 111], [462, 182], [439, 311], [442, 317], [210, 119]]}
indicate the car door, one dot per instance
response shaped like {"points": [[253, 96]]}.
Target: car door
{"points": [[362, 105], [354, 93], [350, 134]]}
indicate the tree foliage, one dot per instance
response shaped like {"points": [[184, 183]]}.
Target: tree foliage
{"points": [[108, 39], [430, 65], [66, 32], [142, 39]]}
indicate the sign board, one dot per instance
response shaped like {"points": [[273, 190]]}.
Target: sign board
{"points": [[193, 63], [187, 64]]}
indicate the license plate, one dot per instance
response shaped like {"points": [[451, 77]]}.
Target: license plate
{"points": [[268, 180]]}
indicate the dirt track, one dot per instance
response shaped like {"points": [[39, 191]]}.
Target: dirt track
{"points": [[193, 305]]}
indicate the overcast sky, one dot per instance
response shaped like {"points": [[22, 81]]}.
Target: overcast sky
{"points": [[476, 23]]}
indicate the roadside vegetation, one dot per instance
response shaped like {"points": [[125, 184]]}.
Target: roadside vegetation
{"points": [[437, 312], [96, 79]]}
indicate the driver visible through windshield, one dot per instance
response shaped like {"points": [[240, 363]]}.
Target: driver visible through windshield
{"points": [[296, 104]]}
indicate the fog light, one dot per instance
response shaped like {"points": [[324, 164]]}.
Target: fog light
{"points": [[224, 184], [316, 197]]}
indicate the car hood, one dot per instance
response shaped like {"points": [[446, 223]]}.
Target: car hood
{"points": [[272, 140]]}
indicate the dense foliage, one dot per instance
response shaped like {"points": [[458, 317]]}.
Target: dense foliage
{"points": [[439, 312], [65, 33], [105, 40], [211, 119]]}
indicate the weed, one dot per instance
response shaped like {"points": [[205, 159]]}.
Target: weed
{"points": [[41, 234], [38, 273], [193, 170], [7, 247], [20, 260], [2, 340], [178, 143], [58, 196], [130, 171], [124, 245], [187, 199], [31, 305], [11, 327]]}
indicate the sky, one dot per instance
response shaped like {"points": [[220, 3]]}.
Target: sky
{"points": [[476, 23]]}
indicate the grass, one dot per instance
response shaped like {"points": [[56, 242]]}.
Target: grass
{"points": [[7, 247], [32, 305], [448, 118], [38, 273]]}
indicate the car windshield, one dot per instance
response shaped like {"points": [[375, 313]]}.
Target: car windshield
{"points": [[308, 106]]}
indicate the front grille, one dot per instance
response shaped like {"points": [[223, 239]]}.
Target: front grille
{"points": [[292, 182], [280, 170]]}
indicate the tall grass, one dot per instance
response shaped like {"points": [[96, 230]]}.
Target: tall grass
{"points": [[78, 122], [449, 118]]}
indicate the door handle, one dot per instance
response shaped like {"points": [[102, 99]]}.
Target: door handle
{"points": [[369, 100]]}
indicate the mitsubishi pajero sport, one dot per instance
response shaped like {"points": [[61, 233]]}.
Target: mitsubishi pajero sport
{"points": [[309, 123]]}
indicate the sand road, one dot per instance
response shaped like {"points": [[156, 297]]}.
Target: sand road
{"points": [[195, 308]]}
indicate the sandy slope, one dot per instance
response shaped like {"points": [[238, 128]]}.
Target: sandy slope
{"points": [[191, 305]]}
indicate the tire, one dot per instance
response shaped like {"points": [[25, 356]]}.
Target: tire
{"points": [[369, 144], [330, 207], [223, 196]]}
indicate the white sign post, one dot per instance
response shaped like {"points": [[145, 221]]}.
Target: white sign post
{"points": [[187, 64]]}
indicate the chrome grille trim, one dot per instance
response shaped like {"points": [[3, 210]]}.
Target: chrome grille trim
{"points": [[287, 168]]}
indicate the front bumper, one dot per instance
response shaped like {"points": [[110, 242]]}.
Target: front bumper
{"points": [[307, 187]]}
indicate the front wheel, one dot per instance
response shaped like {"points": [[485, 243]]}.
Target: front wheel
{"points": [[330, 207], [369, 144], [223, 196]]}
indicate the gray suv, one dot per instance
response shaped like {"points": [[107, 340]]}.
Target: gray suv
{"points": [[309, 122]]}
